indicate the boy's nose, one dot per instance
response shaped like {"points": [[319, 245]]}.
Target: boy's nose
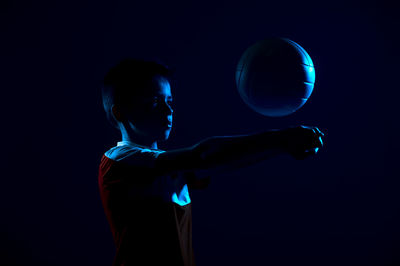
{"points": [[167, 108]]}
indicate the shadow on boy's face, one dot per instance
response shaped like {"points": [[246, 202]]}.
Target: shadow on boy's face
{"points": [[151, 113]]}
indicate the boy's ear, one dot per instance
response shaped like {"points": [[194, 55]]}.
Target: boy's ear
{"points": [[116, 112]]}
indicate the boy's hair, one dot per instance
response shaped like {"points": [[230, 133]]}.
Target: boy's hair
{"points": [[128, 79]]}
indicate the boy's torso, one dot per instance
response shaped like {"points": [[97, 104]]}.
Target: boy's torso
{"points": [[148, 226]]}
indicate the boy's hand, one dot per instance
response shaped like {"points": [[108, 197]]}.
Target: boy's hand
{"points": [[302, 141]]}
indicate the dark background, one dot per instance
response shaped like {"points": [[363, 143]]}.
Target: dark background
{"points": [[340, 207]]}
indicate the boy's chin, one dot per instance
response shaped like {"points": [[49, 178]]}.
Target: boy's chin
{"points": [[164, 135]]}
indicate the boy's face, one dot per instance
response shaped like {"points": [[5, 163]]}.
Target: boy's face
{"points": [[151, 114]]}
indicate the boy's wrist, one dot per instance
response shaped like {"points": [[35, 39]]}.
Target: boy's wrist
{"points": [[279, 139]]}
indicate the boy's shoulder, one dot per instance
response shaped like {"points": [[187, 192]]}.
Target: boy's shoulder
{"points": [[125, 149]]}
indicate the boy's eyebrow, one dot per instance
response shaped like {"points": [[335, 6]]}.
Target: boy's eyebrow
{"points": [[158, 95]]}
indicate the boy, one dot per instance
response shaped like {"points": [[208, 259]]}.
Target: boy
{"points": [[145, 190]]}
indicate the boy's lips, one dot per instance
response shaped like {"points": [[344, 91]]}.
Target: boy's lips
{"points": [[168, 124]]}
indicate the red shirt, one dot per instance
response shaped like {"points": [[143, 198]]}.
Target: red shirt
{"points": [[148, 227]]}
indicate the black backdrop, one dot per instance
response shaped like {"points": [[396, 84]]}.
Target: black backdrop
{"points": [[338, 208]]}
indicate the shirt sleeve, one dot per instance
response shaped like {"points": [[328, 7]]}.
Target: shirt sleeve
{"points": [[134, 156], [131, 165]]}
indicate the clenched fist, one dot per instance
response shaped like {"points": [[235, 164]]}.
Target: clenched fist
{"points": [[302, 141]]}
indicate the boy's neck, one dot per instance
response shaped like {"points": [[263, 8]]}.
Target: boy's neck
{"points": [[138, 140], [152, 145], [129, 135]]}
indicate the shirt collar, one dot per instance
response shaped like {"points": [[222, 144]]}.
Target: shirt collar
{"points": [[131, 143]]}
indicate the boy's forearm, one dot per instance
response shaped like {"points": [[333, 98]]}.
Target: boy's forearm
{"points": [[221, 150]]}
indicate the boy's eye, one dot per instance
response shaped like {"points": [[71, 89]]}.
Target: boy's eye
{"points": [[157, 100]]}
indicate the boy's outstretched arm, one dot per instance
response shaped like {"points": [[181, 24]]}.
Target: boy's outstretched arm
{"points": [[215, 152]]}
